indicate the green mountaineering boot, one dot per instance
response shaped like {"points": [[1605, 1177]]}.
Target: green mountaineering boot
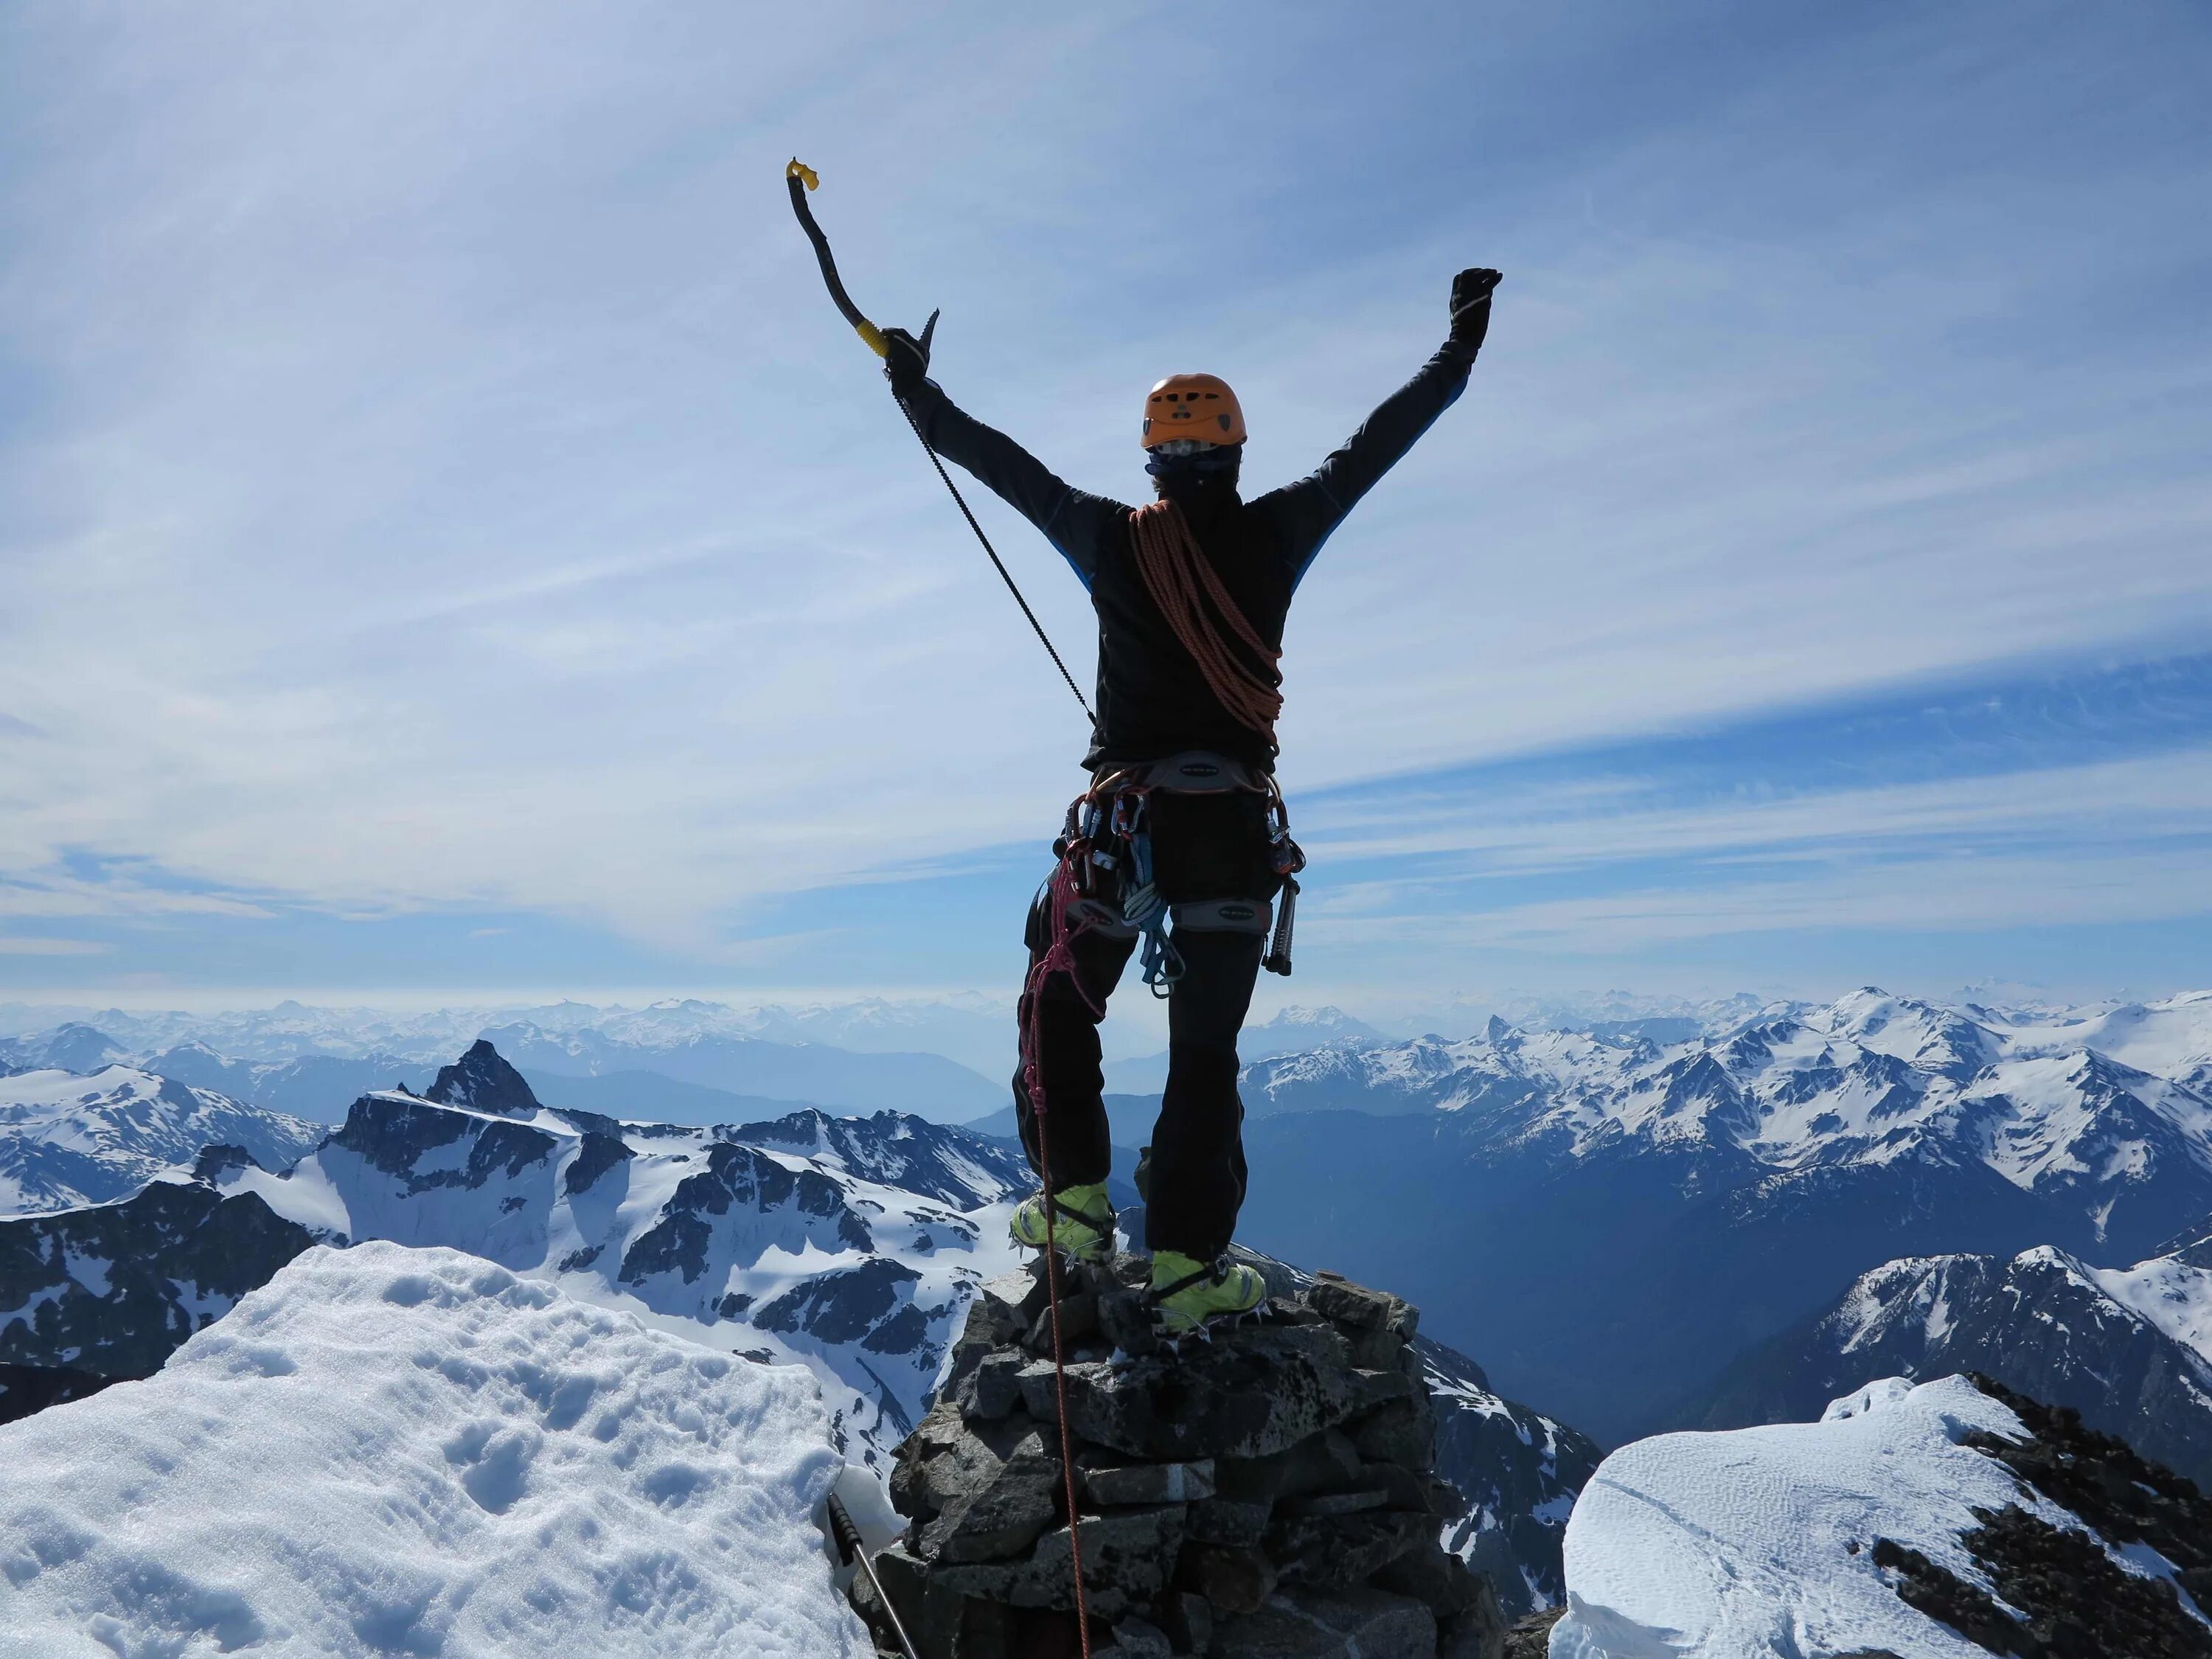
{"points": [[1187, 1292], [1084, 1226]]}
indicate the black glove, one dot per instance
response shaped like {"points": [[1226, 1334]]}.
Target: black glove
{"points": [[1470, 306], [907, 362]]}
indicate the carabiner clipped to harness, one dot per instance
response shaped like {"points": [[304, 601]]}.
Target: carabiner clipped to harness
{"points": [[1289, 858]]}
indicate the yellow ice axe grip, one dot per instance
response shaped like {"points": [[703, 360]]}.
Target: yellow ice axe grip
{"points": [[802, 178]]}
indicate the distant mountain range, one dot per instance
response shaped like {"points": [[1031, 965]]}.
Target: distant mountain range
{"points": [[68, 1140], [1609, 1221], [313, 1062], [2130, 1348], [1613, 1216], [846, 1245]]}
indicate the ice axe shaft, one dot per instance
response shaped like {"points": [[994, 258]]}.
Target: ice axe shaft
{"points": [[801, 178], [850, 1547]]}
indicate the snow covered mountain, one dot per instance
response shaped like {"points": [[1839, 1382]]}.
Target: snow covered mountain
{"points": [[1560, 1200], [844, 1245], [847, 1245], [1292, 1030], [67, 1139], [114, 1288], [2130, 1348], [416, 1452], [1518, 1472], [2067, 1109], [869, 1055], [1948, 1520]]}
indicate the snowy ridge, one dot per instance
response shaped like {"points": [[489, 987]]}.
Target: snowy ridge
{"points": [[847, 1246], [2130, 1348], [1518, 1472], [67, 1140], [2059, 1107], [418, 1452], [1802, 1538]]}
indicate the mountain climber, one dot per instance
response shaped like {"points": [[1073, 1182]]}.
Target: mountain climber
{"points": [[1183, 822]]}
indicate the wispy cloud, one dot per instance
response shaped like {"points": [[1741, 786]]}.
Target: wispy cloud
{"points": [[432, 483]]}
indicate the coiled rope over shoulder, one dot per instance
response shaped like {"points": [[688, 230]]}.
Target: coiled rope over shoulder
{"points": [[1191, 595]]}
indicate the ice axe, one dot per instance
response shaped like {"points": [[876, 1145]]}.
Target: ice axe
{"points": [[801, 178], [849, 1543]]}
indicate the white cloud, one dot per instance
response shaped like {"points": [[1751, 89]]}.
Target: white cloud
{"points": [[451, 488]]}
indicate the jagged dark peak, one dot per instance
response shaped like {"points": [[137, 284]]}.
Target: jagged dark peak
{"points": [[217, 1161], [484, 1082]]}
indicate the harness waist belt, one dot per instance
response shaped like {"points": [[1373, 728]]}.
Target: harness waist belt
{"points": [[1193, 772]]}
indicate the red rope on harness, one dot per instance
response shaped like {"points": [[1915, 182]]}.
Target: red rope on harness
{"points": [[1177, 574], [1058, 957]]}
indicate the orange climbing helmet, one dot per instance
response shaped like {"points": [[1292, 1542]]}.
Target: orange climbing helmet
{"points": [[1200, 406]]}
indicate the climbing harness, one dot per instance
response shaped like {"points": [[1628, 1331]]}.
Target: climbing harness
{"points": [[855, 1550], [802, 178]]}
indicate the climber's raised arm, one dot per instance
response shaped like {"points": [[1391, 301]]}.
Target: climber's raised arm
{"points": [[1077, 523], [1309, 510]]}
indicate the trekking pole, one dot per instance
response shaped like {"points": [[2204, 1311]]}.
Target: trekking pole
{"points": [[853, 1549], [801, 178]]}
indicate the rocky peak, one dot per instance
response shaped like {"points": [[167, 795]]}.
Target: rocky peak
{"points": [[1270, 1493], [484, 1082]]}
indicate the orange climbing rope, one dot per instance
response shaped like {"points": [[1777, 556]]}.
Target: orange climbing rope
{"points": [[1190, 594]]}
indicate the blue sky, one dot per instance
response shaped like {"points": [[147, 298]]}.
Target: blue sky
{"points": [[451, 548]]}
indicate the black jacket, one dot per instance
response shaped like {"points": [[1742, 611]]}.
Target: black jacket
{"points": [[1152, 701]]}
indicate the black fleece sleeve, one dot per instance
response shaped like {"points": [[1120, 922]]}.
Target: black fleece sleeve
{"points": [[1076, 523], [1309, 510]]}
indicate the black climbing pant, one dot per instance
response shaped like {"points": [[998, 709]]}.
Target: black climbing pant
{"points": [[1205, 847]]}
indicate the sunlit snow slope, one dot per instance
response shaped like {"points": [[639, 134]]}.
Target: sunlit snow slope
{"points": [[67, 1139], [1760, 1543], [395, 1451]]}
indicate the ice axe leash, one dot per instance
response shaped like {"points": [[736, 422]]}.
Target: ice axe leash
{"points": [[801, 178], [855, 1552]]}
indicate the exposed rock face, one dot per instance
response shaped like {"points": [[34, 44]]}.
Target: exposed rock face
{"points": [[1269, 1493], [2113, 1344], [112, 1290]]}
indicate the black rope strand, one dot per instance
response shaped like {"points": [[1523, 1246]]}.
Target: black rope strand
{"points": [[1000, 564]]}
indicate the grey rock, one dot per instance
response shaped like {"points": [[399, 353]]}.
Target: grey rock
{"points": [[1266, 1389], [1404, 1489], [1227, 1521], [1149, 1482], [1334, 1503], [991, 1388], [1004, 1516], [1011, 1302], [1127, 1558], [1531, 1638], [974, 1492], [1127, 1322], [1188, 1621], [1435, 1577], [1361, 1308], [1329, 1552], [1327, 1461], [1479, 1631], [1377, 1350], [1355, 1624], [1139, 1639], [1401, 1432], [1079, 1318], [1375, 1387], [930, 1613], [1231, 1580]]}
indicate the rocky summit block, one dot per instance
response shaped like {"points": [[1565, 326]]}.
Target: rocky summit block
{"points": [[1266, 1491]]}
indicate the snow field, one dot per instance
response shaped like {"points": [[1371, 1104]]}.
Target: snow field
{"points": [[395, 1451], [1757, 1543]]}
